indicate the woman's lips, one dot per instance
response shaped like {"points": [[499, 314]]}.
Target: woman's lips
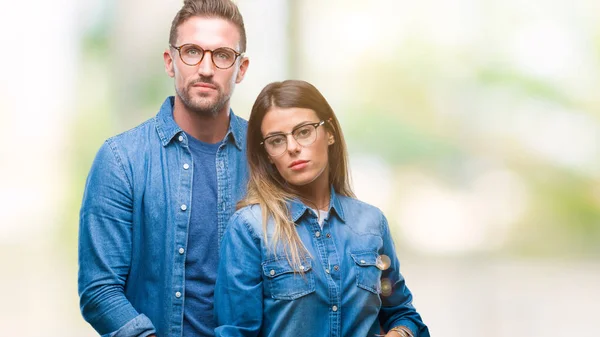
{"points": [[298, 164]]}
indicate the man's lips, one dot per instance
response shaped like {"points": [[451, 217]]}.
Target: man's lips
{"points": [[204, 85], [298, 164]]}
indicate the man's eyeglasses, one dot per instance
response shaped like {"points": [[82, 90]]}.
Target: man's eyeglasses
{"points": [[222, 58], [305, 135]]}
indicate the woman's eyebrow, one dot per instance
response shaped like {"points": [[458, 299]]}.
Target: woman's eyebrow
{"points": [[273, 133]]}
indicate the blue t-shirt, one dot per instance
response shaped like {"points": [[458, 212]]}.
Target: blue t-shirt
{"points": [[202, 259]]}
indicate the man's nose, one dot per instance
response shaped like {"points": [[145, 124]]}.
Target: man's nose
{"points": [[206, 67]]}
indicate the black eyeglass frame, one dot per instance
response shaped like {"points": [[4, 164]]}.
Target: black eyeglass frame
{"points": [[237, 54], [315, 125]]}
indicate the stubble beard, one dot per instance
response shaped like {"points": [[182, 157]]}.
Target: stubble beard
{"points": [[202, 105]]}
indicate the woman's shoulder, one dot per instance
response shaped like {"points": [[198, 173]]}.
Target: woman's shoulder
{"points": [[353, 205], [362, 217]]}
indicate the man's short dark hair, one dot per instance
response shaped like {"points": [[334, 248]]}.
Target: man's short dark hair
{"points": [[224, 9]]}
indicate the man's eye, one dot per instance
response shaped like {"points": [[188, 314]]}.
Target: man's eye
{"points": [[193, 52], [223, 55]]}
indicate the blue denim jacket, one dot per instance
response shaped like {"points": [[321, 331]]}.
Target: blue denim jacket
{"points": [[134, 224], [342, 292]]}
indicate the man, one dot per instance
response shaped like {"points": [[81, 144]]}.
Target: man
{"points": [[158, 197]]}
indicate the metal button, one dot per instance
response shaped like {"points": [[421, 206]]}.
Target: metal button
{"points": [[183, 207], [181, 250], [301, 267], [178, 294], [328, 235], [327, 270], [334, 308], [318, 234], [180, 138], [272, 272], [362, 262], [336, 268], [186, 166]]}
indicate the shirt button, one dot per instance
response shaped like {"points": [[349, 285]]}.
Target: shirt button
{"points": [[362, 262], [272, 272], [334, 308], [178, 294], [186, 166], [301, 267], [318, 234], [183, 207], [328, 235], [181, 250], [180, 138], [336, 268], [327, 270]]}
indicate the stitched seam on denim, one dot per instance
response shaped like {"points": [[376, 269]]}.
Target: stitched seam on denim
{"points": [[242, 215], [115, 152], [237, 130]]}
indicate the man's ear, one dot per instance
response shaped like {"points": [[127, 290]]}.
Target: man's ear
{"points": [[169, 66], [242, 71]]}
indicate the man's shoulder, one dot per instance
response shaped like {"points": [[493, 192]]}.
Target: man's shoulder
{"points": [[141, 130], [249, 218], [133, 143]]}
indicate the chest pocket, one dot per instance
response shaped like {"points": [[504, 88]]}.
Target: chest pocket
{"points": [[368, 275], [285, 284]]}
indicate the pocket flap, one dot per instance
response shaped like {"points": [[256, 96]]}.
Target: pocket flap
{"points": [[368, 258], [274, 268]]}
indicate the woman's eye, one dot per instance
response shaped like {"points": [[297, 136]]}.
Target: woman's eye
{"points": [[276, 141]]}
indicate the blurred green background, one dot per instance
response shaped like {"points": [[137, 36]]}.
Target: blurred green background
{"points": [[474, 125]]}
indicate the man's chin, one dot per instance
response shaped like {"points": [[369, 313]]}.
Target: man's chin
{"points": [[203, 107]]}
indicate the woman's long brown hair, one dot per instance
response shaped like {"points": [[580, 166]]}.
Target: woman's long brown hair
{"points": [[266, 187]]}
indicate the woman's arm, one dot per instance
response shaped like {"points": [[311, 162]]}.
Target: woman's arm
{"points": [[397, 309], [239, 287]]}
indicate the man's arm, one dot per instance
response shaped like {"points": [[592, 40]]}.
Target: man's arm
{"points": [[105, 226]]}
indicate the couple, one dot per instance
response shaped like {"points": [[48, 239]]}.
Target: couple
{"points": [[161, 252]]}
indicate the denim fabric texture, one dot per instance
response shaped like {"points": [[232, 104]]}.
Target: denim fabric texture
{"points": [[344, 287], [134, 221]]}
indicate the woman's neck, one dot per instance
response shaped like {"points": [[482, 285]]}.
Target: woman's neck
{"points": [[317, 198]]}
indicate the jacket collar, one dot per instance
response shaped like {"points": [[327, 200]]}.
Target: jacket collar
{"points": [[298, 208], [167, 128]]}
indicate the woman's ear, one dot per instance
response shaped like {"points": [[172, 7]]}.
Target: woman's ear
{"points": [[330, 138]]}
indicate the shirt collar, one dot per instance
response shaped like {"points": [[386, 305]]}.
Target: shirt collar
{"points": [[298, 208], [167, 128]]}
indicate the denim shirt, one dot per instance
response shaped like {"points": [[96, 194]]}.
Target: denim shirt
{"points": [[134, 223], [347, 287]]}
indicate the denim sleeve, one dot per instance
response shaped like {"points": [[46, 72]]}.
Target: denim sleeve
{"points": [[238, 291], [397, 308], [105, 249]]}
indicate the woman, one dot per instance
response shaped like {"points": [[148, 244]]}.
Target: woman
{"points": [[303, 257]]}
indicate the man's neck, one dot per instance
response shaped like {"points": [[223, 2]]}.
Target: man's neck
{"points": [[208, 129]]}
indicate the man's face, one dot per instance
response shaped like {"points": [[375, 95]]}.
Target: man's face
{"points": [[204, 88]]}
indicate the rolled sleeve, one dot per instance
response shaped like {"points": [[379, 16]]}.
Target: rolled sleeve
{"points": [[105, 248]]}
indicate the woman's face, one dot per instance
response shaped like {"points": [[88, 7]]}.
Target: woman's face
{"points": [[299, 165]]}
